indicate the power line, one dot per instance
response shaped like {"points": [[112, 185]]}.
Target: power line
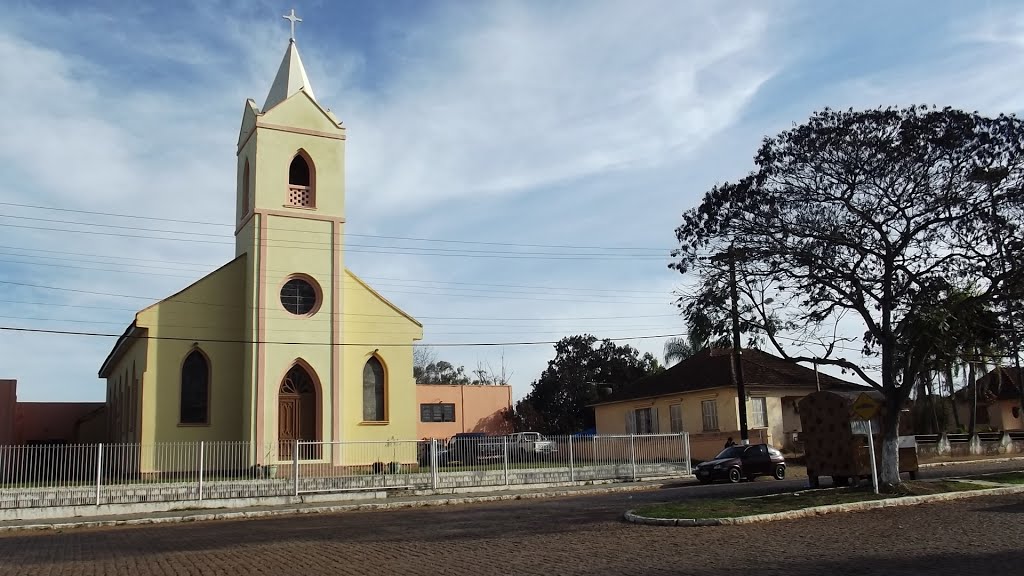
{"points": [[286, 343], [207, 267], [362, 248], [345, 330], [465, 292], [236, 306], [383, 237]]}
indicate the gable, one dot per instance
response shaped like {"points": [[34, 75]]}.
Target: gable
{"points": [[367, 306], [302, 112], [249, 117]]}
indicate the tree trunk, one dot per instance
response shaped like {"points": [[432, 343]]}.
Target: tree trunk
{"points": [[889, 466], [973, 422], [952, 397], [937, 426]]}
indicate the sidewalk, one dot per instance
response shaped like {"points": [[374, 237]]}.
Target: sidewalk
{"points": [[326, 507], [173, 516]]}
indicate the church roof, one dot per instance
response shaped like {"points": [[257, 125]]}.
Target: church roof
{"points": [[291, 78]]}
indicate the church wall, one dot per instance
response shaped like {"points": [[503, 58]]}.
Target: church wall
{"points": [[302, 247], [275, 149], [377, 326], [209, 314], [245, 241], [125, 395], [298, 241]]}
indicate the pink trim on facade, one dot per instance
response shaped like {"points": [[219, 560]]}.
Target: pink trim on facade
{"points": [[303, 131], [304, 215], [261, 328], [337, 309]]}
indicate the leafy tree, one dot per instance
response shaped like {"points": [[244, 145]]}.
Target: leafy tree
{"points": [[440, 372], [582, 368], [868, 215]]}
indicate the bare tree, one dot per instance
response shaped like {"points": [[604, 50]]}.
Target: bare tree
{"points": [[486, 375]]}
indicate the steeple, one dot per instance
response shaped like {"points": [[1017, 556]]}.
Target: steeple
{"points": [[291, 76]]}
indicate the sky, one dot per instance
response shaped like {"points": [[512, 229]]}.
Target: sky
{"points": [[545, 150]]}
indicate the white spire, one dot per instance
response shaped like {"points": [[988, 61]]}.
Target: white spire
{"points": [[291, 76]]}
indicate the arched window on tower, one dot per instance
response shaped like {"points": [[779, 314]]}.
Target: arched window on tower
{"points": [[245, 189], [195, 389], [374, 396], [301, 181]]}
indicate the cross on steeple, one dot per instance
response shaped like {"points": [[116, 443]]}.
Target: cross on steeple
{"points": [[293, 19]]}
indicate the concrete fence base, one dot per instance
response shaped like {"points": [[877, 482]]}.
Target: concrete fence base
{"points": [[973, 446], [29, 503]]}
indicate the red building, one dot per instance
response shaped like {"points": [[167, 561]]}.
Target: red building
{"points": [[47, 422]]}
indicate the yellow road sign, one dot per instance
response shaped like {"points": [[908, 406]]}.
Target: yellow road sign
{"points": [[865, 407]]}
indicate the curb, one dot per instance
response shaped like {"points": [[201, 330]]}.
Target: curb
{"points": [[244, 515], [978, 461], [632, 517]]}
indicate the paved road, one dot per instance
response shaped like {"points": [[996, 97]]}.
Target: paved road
{"points": [[579, 535]]}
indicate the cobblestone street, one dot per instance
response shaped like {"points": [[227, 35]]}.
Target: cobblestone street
{"points": [[579, 535]]}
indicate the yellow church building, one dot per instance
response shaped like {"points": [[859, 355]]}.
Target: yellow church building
{"points": [[283, 343]]}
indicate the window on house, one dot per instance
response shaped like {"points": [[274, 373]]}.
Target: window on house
{"points": [[709, 412], [437, 412], [759, 412], [645, 421], [373, 391], [195, 388], [675, 414]]}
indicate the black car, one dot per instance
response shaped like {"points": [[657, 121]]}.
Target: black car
{"points": [[739, 462]]}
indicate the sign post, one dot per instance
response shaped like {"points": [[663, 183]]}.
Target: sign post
{"points": [[865, 408]]}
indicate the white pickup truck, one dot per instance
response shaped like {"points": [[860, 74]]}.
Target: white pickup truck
{"points": [[531, 444]]}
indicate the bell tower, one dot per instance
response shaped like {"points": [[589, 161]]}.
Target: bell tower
{"points": [[290, 219]]}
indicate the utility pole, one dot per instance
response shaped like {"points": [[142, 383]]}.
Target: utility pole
{"points": [[737, 360]]}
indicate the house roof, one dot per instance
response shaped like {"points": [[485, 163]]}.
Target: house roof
{"points": [[712, 368], [1003, 388]]}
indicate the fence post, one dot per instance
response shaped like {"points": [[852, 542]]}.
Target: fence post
{"points": [[201, 460], [295, 469], [572, 463], [504, 457], [433, 463], [632, 454], [686, 453], [99, 471]]}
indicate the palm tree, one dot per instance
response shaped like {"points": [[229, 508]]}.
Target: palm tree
{"points": [[678, 349]]}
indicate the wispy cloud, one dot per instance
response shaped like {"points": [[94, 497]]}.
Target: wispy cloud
{"points": [[591, 123]]}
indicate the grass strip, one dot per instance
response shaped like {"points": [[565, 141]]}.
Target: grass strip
{"points": [[1002, 478], [731, 508]]}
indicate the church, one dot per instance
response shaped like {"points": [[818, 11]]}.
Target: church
{"points": [[283, 343]]}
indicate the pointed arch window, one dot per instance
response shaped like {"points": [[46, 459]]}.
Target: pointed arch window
{"points": [[245, 189], [195, 389], [301, 181], [374, 391]]}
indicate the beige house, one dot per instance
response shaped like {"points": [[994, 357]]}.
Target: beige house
{"points": [[998, 401], [698, 396]]}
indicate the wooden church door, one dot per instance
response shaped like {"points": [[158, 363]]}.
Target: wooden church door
{"points": [[296, 415]]}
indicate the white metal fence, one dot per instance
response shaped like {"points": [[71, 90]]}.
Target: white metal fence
{"points": [[69, 475]]}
